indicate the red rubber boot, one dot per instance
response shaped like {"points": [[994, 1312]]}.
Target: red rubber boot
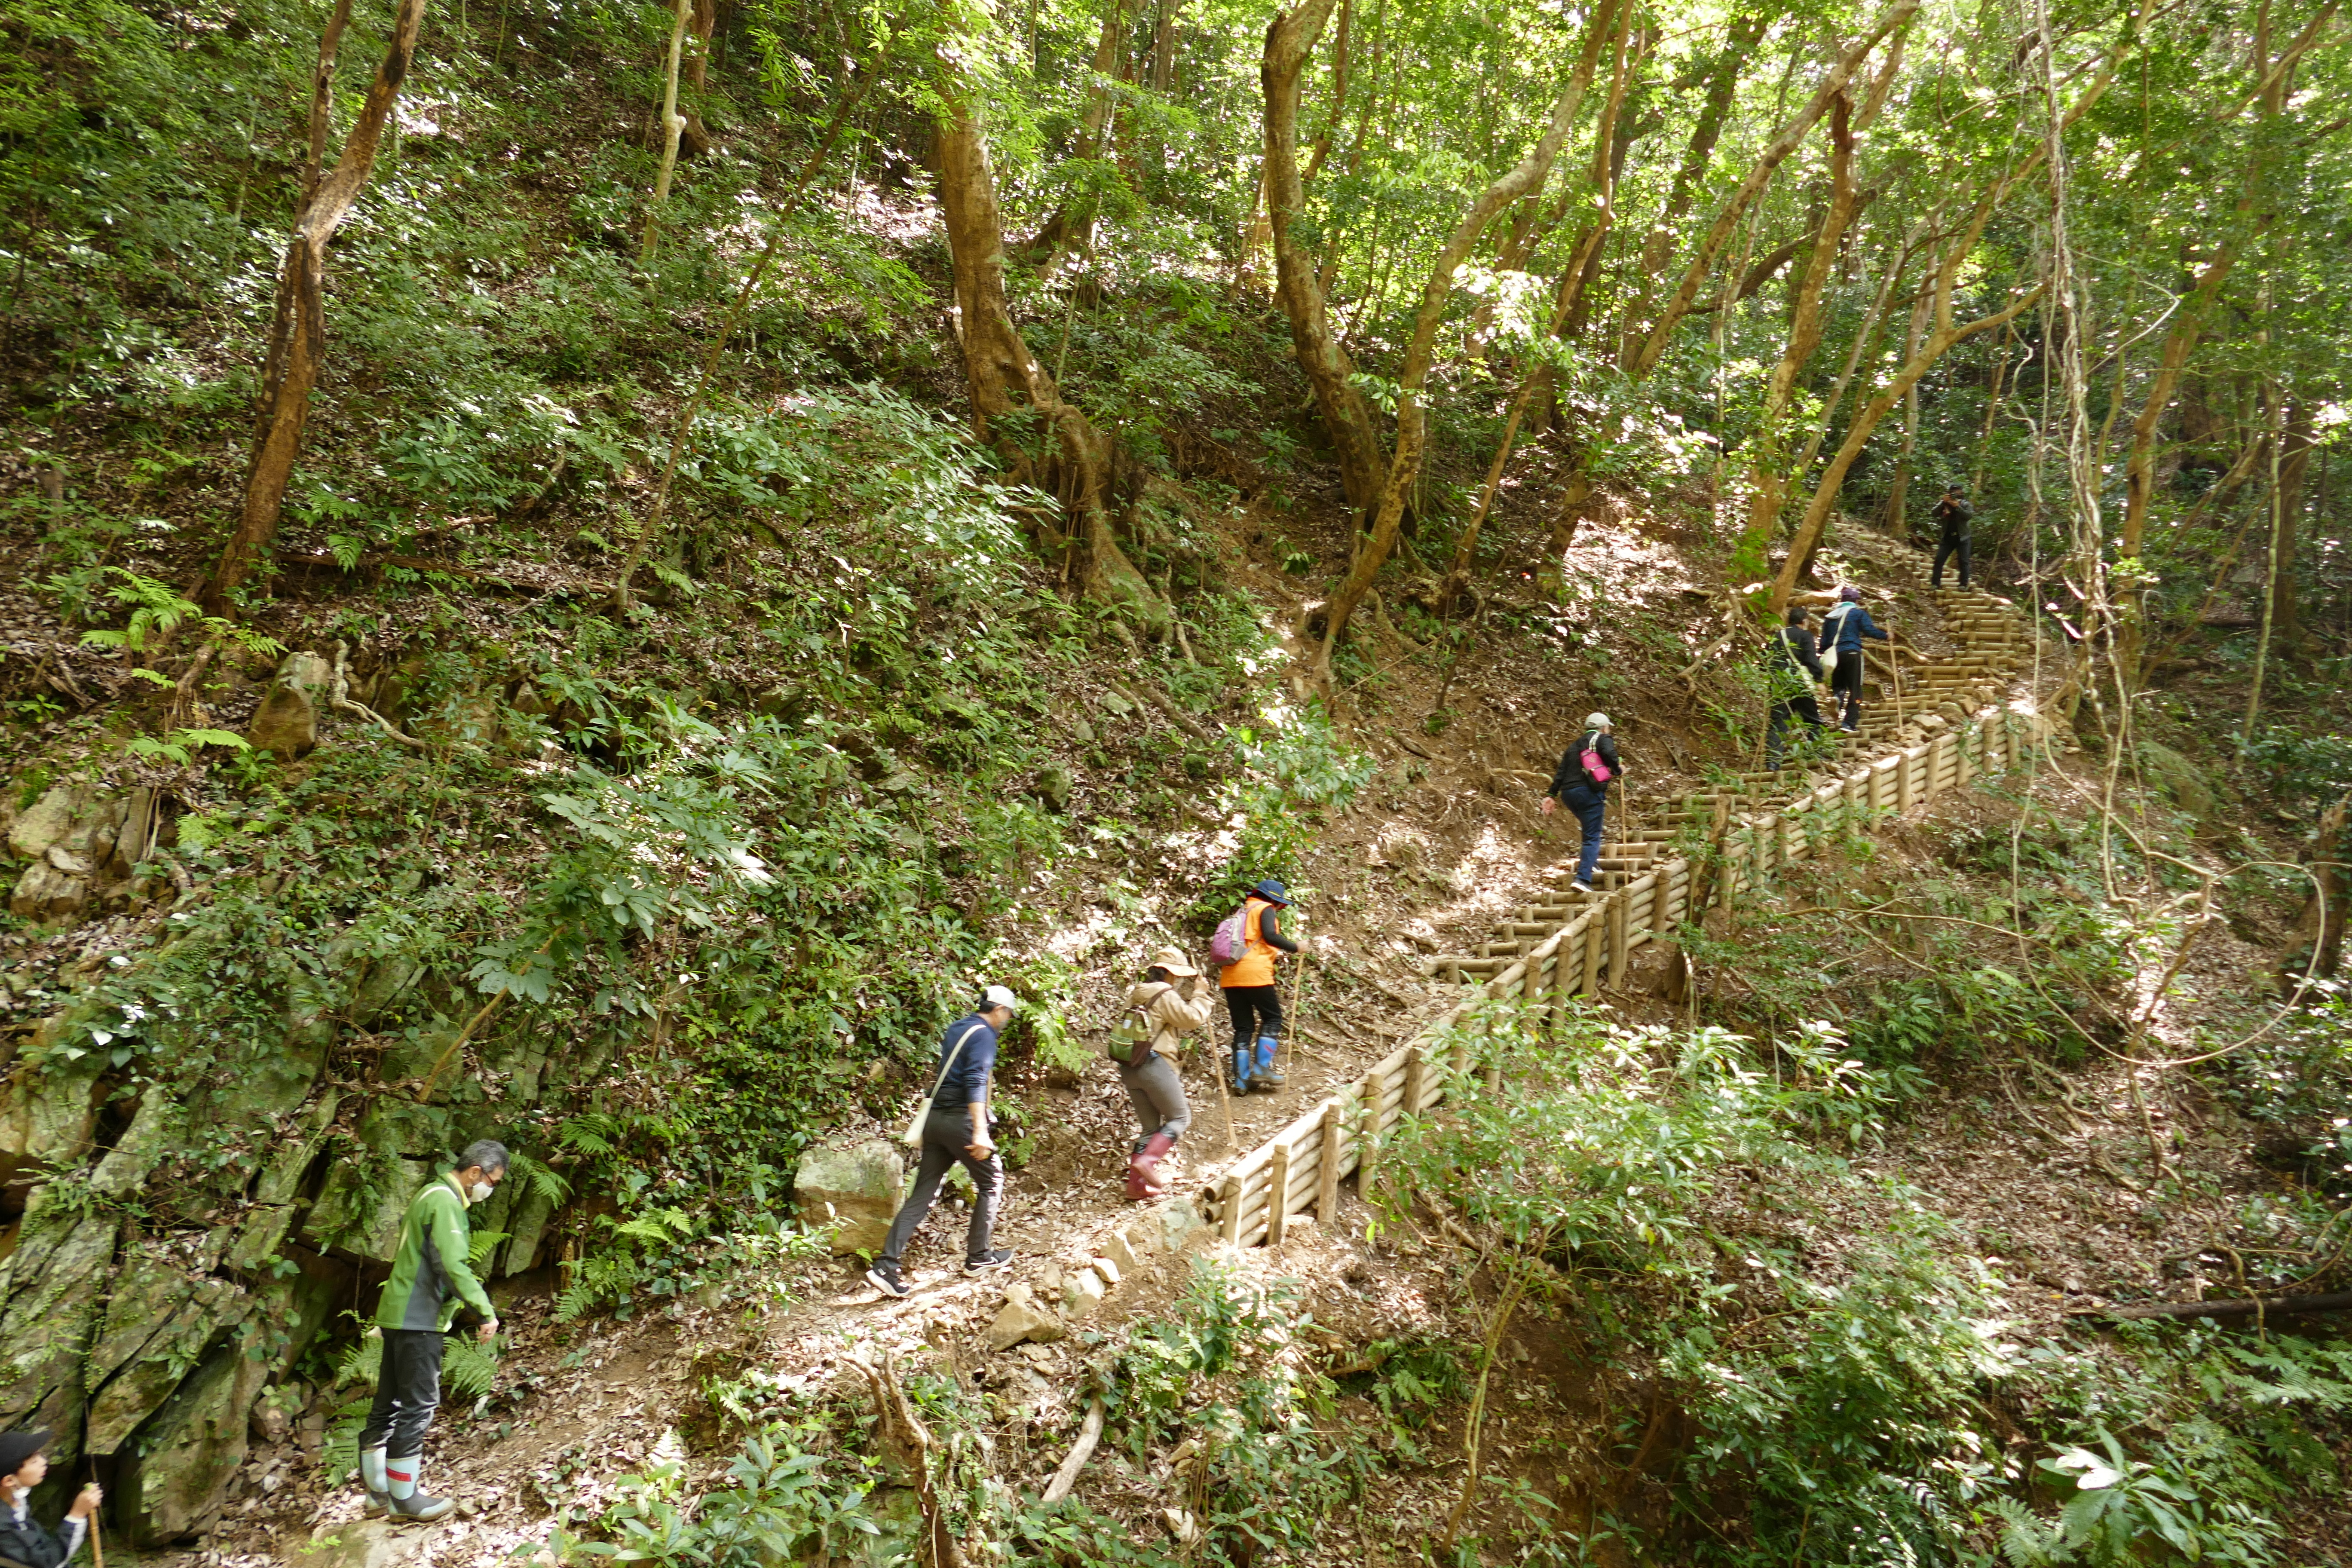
{"points": [[1143, 1181]]}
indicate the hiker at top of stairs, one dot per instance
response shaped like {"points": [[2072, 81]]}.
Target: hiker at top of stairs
{"points": [[1251, 995], [955, 1130], [1169, 1002], [431, 1277], [1953, 515], [1581, 783], [23, 1540], [1792, 669], [1842, 629]]}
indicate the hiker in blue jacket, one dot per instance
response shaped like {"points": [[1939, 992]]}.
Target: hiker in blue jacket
{"points": [[1583, 788], [1843, 628]]}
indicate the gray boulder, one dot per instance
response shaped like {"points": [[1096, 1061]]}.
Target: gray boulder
{"points": [[285, 725], [857, 1187]]}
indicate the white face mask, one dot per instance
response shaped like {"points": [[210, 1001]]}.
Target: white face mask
{"points": [[479, 1192]]}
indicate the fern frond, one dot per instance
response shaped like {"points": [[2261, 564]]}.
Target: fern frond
{"points": [[468, 1371], [485, 1242], [545, 1181], [363, 1363]]}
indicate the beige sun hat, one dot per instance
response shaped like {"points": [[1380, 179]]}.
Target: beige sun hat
{"points": [[1171, 960]]}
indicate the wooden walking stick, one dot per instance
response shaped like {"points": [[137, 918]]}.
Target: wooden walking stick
{"points": [[96, 1547]]}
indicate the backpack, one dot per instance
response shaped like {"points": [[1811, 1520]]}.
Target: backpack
{"points": [[1232, 940], [1130, 1037], [1589, 758]]}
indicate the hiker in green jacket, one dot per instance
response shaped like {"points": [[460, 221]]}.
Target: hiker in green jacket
{"points": [[431, 1276]]}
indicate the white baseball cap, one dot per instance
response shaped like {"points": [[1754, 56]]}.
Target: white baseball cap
{"points": [[1596, 722], [998, 996]]}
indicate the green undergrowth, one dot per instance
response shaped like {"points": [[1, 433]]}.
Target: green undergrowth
{"points": [[664, 896], [1663, 1193]]}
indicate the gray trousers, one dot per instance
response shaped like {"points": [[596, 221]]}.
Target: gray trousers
{"points": [[945, 1134], [1158, 1095]]}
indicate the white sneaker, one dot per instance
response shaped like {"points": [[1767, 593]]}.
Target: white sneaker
{"points": [[1579, 887]]}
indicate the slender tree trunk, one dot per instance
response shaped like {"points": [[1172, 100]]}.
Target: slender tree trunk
{"points": [[1644, 357], [694, 136], [1072, 228], [1526, 178], [1746, 30], [1289, 43], [2285, 608], [1004, 376], [673, 126], [1747, 558], [2271, 559], [299, 322], [1945, 335], [1899, 494]]}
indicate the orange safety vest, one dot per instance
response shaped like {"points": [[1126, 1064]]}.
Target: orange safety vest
{"points": [[1257, 966]]}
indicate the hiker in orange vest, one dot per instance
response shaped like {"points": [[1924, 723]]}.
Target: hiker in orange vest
{"points": [[1251, 995]]}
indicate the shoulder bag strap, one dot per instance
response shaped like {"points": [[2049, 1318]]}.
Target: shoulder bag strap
{"points": [[962, 1040]]}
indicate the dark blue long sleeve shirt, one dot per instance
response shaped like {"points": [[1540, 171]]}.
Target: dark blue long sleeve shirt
{"points": [[1845, 628], [968, 1078]]}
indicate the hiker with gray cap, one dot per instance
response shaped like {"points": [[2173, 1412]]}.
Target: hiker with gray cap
{"points": [[23, 1538], [1160, 1013], [1581, 783], [955, 1131]]}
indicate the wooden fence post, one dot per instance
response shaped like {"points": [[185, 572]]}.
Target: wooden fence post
{"points": [[1588, 944], [1617, 944], [1327, 1175], [1907, 778], [1277, 1197], [1414, 1072], [1232, 1218]]}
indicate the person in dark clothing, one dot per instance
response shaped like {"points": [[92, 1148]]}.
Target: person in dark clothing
{"points": [[956, 1131], [1793, 669], [1583, 787], [22, 1539], [1251, 997], [1953, 515], [1842, 630]]}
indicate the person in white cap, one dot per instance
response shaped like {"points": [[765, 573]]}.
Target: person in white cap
{"points": [[956, 1130], [1160, 1013], [1581, 783]]}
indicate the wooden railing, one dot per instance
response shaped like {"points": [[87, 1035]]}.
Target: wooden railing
{"points": [[1300, 1167]]}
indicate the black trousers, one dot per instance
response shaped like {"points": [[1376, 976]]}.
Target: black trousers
{"points": [[946, 1133], [1257, 1010], [1784, 711], [1846, 685], [407, 1392], [1945, 550]]}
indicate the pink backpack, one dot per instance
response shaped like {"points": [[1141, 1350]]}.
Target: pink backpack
{"points": [[1590, 759], [1232, 940]]}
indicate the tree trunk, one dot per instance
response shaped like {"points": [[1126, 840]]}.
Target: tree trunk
{"points": [[1899, 494], [1749, 560], [673, 126], [1723, 82], [1526, 178], [1946, 334], [1005, 377], [1289, 42], [297, 332], [694, 137], [1071, 229], [1645, 356], [2295, 461]]}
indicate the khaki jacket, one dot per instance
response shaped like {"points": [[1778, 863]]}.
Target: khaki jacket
{"points": [[1172, 1017]]}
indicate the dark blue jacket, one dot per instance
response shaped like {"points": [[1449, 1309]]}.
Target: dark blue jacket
{"points": [[972, 1065], [1847, 630]]}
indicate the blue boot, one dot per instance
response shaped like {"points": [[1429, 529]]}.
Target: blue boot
{"points": [[1266, 1075], [1241, 1084]]}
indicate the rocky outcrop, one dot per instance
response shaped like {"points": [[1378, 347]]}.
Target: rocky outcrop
{"points": [[86, 848], [856, 1187], [285, 725]]}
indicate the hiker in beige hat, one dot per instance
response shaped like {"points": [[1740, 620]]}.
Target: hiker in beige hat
{"points": [[1170, 1002]]}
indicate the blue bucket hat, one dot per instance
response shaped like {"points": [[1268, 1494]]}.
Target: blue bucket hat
{"points": [[1272, 892]]}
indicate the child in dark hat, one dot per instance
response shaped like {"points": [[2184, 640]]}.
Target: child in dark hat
{"points": [[23, 1466]]}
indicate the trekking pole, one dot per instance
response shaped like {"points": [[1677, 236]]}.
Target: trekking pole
{"points": [[96, 1547]]}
